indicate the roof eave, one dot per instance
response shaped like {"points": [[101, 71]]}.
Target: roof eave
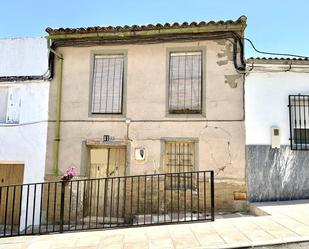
{"points": [[22, 78], [278, 62], [147, 33]]}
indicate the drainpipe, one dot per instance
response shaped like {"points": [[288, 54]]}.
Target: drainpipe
{"points": [[59, 57]]}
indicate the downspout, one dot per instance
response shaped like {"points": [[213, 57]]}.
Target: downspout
{"points": [[59, 57]]}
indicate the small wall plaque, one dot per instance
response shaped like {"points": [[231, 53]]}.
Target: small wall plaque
{"points": [[140, 154]]}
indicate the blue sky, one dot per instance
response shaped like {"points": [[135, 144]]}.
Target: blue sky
{"points": [[273, 25]]}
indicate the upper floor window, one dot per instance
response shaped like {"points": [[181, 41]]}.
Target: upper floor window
{"points": [[107, 84], [299, 121], [10, 103], [185, 82]]}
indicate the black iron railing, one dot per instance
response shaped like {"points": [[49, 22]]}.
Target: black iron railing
{"points": [[41, 208]]}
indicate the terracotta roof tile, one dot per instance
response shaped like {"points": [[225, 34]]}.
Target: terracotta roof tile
{"points": [[241, 20]]}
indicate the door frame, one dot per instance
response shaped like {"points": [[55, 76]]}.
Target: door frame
{"points": [[106, 146]]}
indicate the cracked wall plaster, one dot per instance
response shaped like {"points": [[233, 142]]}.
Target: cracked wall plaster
{"points": [[232, 80], [225, 55]]}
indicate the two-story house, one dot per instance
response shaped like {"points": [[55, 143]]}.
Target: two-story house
{"points": [[150, 99]]}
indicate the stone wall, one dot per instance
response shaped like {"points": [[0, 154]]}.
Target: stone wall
{"points": [[276, 174]]}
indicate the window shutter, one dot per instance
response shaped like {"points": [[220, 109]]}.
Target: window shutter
{"points": [[185, 82], [3, 103], [107, 84], [13, 105]]}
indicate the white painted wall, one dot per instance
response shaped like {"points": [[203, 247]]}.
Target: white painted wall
{"points": [[26, 142], [23, 56], [266, 103]]}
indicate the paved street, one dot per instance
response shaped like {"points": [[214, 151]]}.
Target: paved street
{"points": [[301, 245], [287, 222]]}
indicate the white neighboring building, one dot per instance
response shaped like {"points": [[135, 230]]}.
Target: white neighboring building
{"points": [[24, 90], [275, 171]]}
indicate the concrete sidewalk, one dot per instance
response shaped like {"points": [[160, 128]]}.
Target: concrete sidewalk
{"points": [[287, 222]]}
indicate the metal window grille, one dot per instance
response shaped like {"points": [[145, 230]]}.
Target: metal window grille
{"points": [[185, 82], [107, 85], [299, 121], [180, 157]]}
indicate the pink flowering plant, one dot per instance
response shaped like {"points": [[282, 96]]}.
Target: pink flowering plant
{"points": [[69, 174]]}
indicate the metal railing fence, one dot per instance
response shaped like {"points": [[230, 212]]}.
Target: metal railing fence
{"points": [[124, 201]]}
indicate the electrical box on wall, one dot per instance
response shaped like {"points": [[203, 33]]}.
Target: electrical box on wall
{"points": [[275, 137], [140, 154]]}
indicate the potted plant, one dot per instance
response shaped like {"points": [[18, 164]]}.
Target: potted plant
{"points": [[68, 175]]}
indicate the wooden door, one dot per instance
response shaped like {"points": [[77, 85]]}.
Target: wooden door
{"points": [[106, 195], [98, 162], [10, 197]]}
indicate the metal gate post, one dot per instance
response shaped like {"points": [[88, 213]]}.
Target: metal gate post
{"points": [[62, 205], [212, 195]]}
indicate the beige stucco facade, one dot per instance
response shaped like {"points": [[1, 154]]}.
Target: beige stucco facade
{"points": [[218, 132]]}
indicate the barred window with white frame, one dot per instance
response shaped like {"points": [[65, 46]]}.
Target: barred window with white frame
{"points": [[185, 82], [10, 104], [107, 84], [299, 121]]}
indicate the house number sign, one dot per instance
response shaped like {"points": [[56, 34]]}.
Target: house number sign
{"points": [[106, 138]]}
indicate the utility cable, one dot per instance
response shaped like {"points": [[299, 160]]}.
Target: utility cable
{"points": [[271, 53]]}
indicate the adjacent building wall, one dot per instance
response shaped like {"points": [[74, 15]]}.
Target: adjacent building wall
{"points": [[25, 141], [23, 56], [274, 174], [219, 131]]}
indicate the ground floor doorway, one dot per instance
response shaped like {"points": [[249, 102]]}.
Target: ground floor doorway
{"points": [[10, 197], [105, 196]]}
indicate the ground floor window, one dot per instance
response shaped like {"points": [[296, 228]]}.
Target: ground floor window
{"points": [[179, 157], [299, 117]]}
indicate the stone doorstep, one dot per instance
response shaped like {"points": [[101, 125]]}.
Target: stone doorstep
{"points": [[101, 220], [159, 219]]}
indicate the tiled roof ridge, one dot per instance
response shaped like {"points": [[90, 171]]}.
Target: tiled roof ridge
{"points": [[241, 20], [280, 58], [22, 78]]}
